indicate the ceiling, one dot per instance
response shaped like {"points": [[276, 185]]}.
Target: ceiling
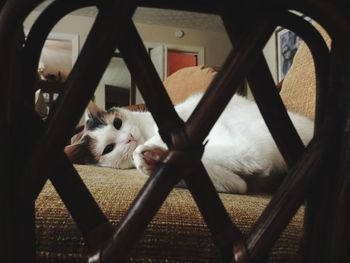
{"points": [[172, 18], [179, 19]]}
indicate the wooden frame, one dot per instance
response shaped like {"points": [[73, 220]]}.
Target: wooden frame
{"points": [[310, 176]]}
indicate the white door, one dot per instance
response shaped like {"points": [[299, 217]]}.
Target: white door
{"points": [[159, 58]]}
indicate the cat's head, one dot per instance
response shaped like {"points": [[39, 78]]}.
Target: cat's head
{"points": [[109, 138]]}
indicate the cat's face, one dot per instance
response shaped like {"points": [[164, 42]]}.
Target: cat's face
{"points": [[109, 139]]}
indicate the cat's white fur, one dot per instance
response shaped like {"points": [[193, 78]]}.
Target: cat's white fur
{"points": [[239, 145]]}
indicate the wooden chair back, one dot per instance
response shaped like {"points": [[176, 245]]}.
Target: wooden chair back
{"points": [[318, 174]]}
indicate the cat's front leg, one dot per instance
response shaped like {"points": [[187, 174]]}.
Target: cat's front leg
{"points": [[146, 156]]}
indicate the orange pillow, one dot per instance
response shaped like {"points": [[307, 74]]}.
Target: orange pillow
{"points": [[187, 81]]}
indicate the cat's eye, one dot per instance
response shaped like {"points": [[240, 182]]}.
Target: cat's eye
{"points": [[108, 148], [117, 123]]}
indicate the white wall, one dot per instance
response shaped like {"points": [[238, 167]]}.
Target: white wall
{"points": [[270, 55]]}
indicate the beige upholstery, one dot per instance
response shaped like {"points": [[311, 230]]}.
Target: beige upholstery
{"points": [[177, 233], [299, 86], [187, 81]]}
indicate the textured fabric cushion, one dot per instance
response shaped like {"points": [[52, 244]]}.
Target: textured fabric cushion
{"points": [[299, 86], [187, 81], [177, 233]]}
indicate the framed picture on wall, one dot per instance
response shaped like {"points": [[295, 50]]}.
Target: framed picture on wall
{"points": [[287, 44]]}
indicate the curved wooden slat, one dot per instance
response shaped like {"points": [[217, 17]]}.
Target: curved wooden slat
{"points": [[227, 81], [266, 96], [321, 57], [64, 177], [18, 215], [78, 90], [260, 79], [322, 214], [339, 230], [91, 221], [88, 216], [224, 233], [289, 197], [324, 99], [68, 184], [146, 77]]}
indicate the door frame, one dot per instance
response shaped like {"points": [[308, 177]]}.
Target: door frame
{"points": [[190, 49]]}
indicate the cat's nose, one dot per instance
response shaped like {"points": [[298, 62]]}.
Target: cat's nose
{"points": [[130, 138]]}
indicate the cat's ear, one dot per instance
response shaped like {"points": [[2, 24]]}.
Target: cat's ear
{"points": [[75, 153], [92, 110], [79, 153]]}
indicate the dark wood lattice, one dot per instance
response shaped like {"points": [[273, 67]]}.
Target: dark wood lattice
{"points": [[318, 174]]}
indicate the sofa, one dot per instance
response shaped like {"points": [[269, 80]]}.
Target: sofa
{"points": [[178, 232]]}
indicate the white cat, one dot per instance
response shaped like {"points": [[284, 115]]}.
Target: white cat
{"points": [[239, 146]]}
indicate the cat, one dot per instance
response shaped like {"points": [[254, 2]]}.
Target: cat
{"points": [[239, 146]]}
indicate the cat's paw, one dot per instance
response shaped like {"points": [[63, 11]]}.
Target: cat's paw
{"points": [[147, 157]]}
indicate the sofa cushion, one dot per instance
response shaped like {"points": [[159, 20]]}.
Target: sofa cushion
{"points": [[187, 81], [299, 85], [176, 234]]}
